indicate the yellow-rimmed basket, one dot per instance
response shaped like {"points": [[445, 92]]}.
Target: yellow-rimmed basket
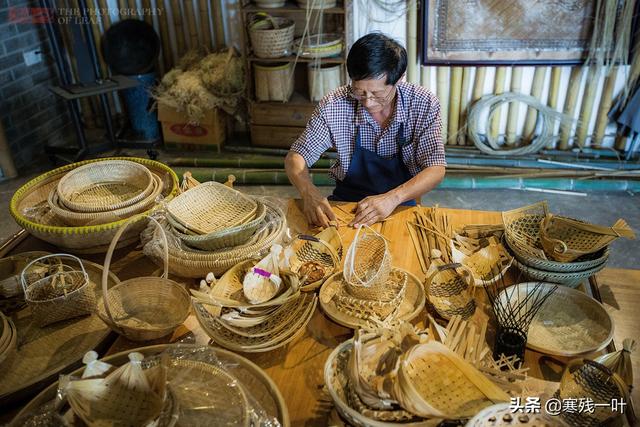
{"points": [[143, 308], [30, 210], [105, 186], [271, 36]]}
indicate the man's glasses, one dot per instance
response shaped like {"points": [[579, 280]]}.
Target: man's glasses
{"points": [[380, 99]]}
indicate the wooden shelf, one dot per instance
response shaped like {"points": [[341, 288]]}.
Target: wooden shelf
{"points": [[291, 7], [297, 98], [292, 58]]}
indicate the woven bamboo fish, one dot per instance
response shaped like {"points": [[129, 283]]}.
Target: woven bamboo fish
{"points": [[262, 281]]}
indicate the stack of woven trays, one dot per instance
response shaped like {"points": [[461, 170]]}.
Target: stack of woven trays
{"points": [[522, 238], [8, 337], [80, 206], [212, 227], [233, 322]]}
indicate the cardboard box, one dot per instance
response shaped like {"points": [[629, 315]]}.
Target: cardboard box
{"points": [[209, 134]]}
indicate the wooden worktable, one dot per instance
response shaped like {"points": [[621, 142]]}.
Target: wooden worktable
{"points": [[297, 368]]}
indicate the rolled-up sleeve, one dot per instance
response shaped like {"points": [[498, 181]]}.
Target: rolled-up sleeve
{"points": [[314, 140], [429, 147]]}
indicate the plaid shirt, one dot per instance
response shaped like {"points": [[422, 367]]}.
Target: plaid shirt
{"points": [[333, 125]]}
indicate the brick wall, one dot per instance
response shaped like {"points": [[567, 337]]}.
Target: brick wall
{"points": [[31, 115]]}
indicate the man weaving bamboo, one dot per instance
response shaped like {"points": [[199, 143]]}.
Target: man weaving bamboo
{"points": [[386, 133]]}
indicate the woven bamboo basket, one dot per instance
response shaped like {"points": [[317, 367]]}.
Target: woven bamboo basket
{"points": [[323, 78], [225, 238], [211, 207], [572, 279], [143, 308], [79, 219], [449, 292], [271, 37], [316, 257], [522, 229], [30, 210], [433, 381], [273, 82], [586, 379], [316, 4], [61, 292], [318, 46], [566, 239], [367, 264], [188, 262], [105, 186]]}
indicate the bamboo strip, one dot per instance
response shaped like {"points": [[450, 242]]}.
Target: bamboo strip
{"points": [[539, 76], [498, 88], [133, 5], [146, 12], [122, 4], [443, 88], [412, 42], [554, 87], [205, 28], [464, 105], [178, 27], [416, 247], [425, 77], [478, 89], [218, 24], [593, 77], [105, 17], [167, 52], [602, 119], [570, 105], [454, 104], [194, 41], [514, 107]]}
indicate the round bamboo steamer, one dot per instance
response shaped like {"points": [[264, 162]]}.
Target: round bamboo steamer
{"points": [[323, 79], [273, 82]]}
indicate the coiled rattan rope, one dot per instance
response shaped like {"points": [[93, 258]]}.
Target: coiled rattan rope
{"points": [[488, 144]]}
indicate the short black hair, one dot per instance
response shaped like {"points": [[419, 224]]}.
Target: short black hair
{"points": [[375, 55]]}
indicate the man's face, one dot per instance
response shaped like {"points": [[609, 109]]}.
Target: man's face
{"points": [[374, 94]]}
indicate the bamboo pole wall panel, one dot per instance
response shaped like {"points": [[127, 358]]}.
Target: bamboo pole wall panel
{"points": [[194, 41], [464, 104], [570, 105], [514, 107], [178, 27], [412, 42], [205, 28], [425, 77], [442, 78], [602, 119], [454, 105], [218, 23], [593, 76], [498, 88], [539, 76], [167, 52], [478, 85]]}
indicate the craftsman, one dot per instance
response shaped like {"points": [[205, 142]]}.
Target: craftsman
{"points": [[386, 133]]}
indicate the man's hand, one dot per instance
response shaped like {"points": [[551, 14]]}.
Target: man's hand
{"points": [[374, 208], [317, 209]]}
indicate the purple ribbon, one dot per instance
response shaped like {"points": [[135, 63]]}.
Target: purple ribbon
{"points": [[262, 272]]}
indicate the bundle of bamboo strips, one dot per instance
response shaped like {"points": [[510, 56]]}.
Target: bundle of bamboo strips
{"points": [[431, 230]]}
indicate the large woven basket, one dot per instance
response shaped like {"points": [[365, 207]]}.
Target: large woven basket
{"points": [[188, 262], [79, 219], [316, 257], [143, 308], [271, 37], [60, 292], [566, 239], [105, 186], [225, 238], [30, 210], [211, 207]]}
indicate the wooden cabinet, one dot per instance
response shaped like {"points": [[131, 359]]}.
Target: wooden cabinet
{"points": [[277, 123]]}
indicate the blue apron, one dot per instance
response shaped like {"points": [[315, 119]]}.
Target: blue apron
{"points": [[370, 174]]}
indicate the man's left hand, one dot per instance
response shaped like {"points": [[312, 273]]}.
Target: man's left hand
{"points": [[374, 208]]}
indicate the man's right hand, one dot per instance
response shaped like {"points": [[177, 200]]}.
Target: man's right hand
{"points": [[317, 209]]}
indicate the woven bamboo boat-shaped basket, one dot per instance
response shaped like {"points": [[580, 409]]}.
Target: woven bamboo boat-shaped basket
{"points": [[30, 210], [271, 37], [566, 239], [316, 257], [143, 308], [79, 219], [211, 207], [522, 229], [367, 264], [433, 381], [225, 238], [105, 186], [63, 291]]}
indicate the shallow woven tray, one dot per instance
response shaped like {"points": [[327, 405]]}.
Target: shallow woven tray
{"points": [[570, 323], [274, 339], [105, 186], [42, 353], [42, 224], [411, 305], [336, 381], [319, 45], [252, 378], [571, 279], [211, 207], [226, 238]]}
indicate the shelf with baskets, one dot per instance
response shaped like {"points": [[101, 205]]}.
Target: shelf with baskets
{"points": [[286, 73]]}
